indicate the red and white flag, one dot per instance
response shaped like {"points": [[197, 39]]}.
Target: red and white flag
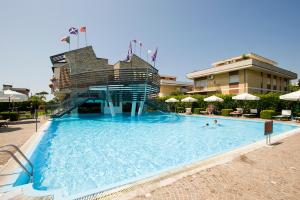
{"points": [[82, 29]]}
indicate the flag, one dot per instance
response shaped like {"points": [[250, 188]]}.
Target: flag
{"points": [[82, 29], [140, 43], [135, 41], [73, 31], [129, 53], [130, 49], [65, 39], [154, 55]]}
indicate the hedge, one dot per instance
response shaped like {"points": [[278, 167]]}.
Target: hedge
{"points": [[226, 112], [267, 114], [180, 109], [269, 101], [12, 116], [197, 110]]}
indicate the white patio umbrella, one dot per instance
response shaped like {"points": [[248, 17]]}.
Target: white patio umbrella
{"points": [[172, 100], [189, 100], [294, 96], [246, 97], [213, 99], [10, 95]]}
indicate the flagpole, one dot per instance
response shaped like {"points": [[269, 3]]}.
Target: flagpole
{"points": [[85, 38], [77, 40], [69, 43], [140, 51], [135, 47]]}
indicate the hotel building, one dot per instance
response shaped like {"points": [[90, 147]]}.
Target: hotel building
{"points": [[169, 84], [80, 79], [249, 73]]}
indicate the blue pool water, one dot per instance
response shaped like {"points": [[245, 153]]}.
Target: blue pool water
{"points": [[85, 152]]}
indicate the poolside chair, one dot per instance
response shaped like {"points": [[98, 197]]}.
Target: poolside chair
{"points": [[4, 123], [285, 114], [253, 113], [238, 112], [188, 111]]}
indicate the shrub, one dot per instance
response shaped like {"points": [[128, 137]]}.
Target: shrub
{"points": [[267, 114], [180, 109], [269, 101], [226, 112], [197, 110], [12, 116]]}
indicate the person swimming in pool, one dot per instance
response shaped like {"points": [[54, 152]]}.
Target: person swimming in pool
{"points": [[206, 125], [216, 123]]}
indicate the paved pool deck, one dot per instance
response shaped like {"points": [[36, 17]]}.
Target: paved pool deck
{"points": [[265, 173], [17, 133]]}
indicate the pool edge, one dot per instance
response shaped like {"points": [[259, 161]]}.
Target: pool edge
{"points": [[147, 184], [166, 178], [11, 170]]}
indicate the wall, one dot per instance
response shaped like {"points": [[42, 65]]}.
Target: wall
{"points": [[84, 59], [166, 90]]}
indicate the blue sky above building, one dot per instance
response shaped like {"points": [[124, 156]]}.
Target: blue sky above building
{"points": [[190, 35]]}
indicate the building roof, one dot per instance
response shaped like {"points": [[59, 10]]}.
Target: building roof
{"points": [[175, 83], [248, 61], [166, 76], [245, 56]]}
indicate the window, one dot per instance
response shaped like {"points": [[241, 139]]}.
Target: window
{"points": [[202, 83], [274, 83], [280, 83], [269, 81], [286, 82], [234, 77]]}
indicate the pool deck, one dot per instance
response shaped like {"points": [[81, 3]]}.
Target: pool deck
{"points": [[265, 173], [254, 172], [17, 133]]}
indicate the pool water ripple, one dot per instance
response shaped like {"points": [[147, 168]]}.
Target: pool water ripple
{"points": [[85, 152]]}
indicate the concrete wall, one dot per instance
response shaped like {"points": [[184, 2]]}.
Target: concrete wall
{"points": [[166, 90], [256, 80], [249, 81]]}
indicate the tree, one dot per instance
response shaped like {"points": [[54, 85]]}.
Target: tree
{"points": [[42, 94]]}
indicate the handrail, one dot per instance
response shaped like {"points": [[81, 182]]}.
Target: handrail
{"points": [[16, 159]]}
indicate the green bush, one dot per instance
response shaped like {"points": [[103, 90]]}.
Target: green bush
{"points": [[197, 110], [180, 109], [269, 101], [12, 116], [267, 114], [226, 112]]}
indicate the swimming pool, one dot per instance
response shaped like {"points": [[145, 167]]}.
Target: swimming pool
{"points": [[83, 152]]}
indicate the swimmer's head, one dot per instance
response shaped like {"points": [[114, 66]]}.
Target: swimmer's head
{"points": [[215, 121]]}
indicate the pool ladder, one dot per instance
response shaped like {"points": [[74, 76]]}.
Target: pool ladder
{"points": [[4, 149]]}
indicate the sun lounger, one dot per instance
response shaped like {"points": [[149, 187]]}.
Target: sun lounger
{"points": [[297, 119], [285, 114], [238, 112], [4, 123], [253, 113]]}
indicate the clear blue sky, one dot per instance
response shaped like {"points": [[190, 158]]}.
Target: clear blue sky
{"points": [[190, 34]]}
